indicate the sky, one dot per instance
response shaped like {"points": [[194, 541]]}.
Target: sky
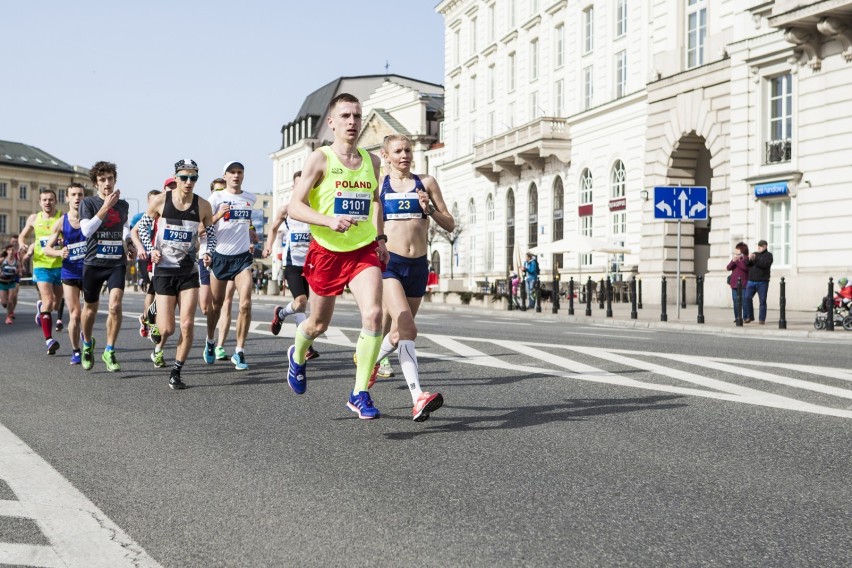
{"points": [[144, 84]]}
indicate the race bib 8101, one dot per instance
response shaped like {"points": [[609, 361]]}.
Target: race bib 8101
{"points": [[356, 204]]}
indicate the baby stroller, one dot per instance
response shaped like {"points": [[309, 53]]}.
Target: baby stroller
{"points": [[514, 286], [839, 307]]}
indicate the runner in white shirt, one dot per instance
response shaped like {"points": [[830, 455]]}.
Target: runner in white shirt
{"points": [[295, 243], [232, 260]]}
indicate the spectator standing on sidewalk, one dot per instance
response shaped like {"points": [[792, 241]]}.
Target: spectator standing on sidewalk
{"points": [[759, 265], [531, 272], [739, 277]]}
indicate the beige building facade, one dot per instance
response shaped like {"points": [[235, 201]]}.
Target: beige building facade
{"points": [[25, 171]]}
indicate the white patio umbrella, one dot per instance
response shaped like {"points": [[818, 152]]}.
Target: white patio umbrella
{"points": [[579, 244]]}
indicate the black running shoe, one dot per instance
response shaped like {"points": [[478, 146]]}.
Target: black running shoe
{"points": [[174, 381], [275, 326]]}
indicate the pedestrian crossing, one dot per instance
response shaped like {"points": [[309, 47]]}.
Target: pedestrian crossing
{"points": [[783, 386]]}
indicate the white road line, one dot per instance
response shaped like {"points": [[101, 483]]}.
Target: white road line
{"points": [[29, 555], [12, 509], [80, 534], [746, 372]]}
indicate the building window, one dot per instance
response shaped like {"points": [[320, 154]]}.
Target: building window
{"points": [[489, 233], [586, 231], [3, 224], [558, 217], [696, 32], [60, 196], [533, 7], [22, 222], [534, 60], [510, 14], [588, 87], [510, 114], [559, 46], [559, 97], [620, 18], [510, 229], [510, 72], [586, 184], [491, 89], [456, 46], [22, 193], [779, 143], [473, 134], [492, 21], [3, 194], [472, 44], [473, 92], [619, 223], [779, 230], [491, 124], [535, 109], [620, 74], [588, 29], [456, 102], [618, 180], [532, 230]]}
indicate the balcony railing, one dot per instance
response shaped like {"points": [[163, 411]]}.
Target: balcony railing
{"points": [[778, 151]]}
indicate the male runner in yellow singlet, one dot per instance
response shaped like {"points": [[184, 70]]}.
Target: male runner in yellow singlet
{"points": [[337, 196], [47, 271]]}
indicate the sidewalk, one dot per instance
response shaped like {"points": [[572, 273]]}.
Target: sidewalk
{"points": [[716, 320]]}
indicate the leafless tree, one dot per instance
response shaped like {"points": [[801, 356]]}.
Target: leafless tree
{"points": [[450, 236]]}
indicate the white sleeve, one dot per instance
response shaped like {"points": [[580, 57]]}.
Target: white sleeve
{"points": [[89, 226]]}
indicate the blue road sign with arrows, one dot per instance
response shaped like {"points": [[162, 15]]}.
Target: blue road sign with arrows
{"points": [[687, 203]]}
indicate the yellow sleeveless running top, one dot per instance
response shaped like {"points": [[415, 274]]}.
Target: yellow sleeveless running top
{"points": [[43, 231], [345, 192]]}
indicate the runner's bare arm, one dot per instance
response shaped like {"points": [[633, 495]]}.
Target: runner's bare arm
{"points": [[378, 214], [55, 232], [29, 227], [441, 215], [273, 230]]}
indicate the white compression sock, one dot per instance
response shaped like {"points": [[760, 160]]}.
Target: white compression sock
{"points": [[408, 362], [300, 317], [387, 348]]}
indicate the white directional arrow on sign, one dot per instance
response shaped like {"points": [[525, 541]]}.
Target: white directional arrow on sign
{"points": [[697, 208], [683, 199], [664, 207]]}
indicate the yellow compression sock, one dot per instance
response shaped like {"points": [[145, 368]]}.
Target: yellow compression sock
{"points": [[367, 348], [302, 344]]}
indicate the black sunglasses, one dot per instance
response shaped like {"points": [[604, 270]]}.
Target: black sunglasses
{"points": [[188, 178]]}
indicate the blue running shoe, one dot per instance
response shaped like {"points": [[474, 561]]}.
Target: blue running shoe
{"points": [[363, 405], [52, 346], [75, 358], [209, 353], [239, 361], [296, 375], [38, 313]]}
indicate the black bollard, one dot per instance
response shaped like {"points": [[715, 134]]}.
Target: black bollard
{"points": [[571, 297], [683, 293], [537, 287], [782, 320], [633, 313], [639, 304], [738, 303], [663, 315], [601, 294], [555, 307], [699, 297], [523, 287], [608, 297], [589, 288], [829, 303]]}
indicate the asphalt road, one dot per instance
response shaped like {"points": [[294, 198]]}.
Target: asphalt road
{"points": [[558, 445]]}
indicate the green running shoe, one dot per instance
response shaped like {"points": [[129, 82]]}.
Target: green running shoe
{"points": [[157, 358], [109, 358], [88, 355], [221, 354]]}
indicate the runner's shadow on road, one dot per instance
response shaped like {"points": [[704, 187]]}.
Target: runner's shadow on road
{"points": [[505, 418]]}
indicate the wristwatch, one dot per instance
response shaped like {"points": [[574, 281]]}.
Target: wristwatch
{"points": [[430, 209]]}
